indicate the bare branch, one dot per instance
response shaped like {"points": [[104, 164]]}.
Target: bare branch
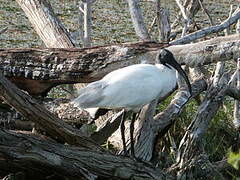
{"points": [[185, 16], [206, 12], [85, 21], [3, 30], [206, 31], [191, 144], [166, 118], [138, 21], [164, 24]]}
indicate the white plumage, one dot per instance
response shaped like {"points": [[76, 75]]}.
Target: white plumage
{"points": [[128, 88], [132, 87]]}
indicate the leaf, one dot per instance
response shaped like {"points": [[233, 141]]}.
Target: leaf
{"points": [[234, 160]]}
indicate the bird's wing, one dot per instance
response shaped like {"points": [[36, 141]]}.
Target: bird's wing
{"points": [[90, 95]]}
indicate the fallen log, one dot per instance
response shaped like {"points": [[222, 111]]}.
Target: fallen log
{"points": [[38, 70], [32, 154]]}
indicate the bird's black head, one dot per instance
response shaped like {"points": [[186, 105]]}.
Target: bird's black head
{"points": [[166, 58]]}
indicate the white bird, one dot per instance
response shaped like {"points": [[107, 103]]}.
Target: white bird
{"points": [[133, 87]]}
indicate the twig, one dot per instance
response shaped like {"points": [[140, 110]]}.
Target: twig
{"points": [[3, 30], [186, 18], [152, 24], [206, 31], [206, 12]]}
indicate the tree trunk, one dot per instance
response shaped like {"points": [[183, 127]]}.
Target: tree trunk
{"points": [[138, 21], [46, 23]]}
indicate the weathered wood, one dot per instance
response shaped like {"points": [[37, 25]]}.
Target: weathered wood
{"points": [[107, 128], [46, 23], [54, 126], [29, 153], [138, 21], [213, 29], [38, 70], [163, 24], [191, 144]]}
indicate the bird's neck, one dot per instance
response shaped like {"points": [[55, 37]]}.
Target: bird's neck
{"points": [[165, 68]]}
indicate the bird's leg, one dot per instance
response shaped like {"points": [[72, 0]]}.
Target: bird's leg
{"points": [[122, 127], [131, 134]]}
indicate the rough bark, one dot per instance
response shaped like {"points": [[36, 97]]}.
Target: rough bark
{"points": [[38, 70], [24, 152], [32, 110]]}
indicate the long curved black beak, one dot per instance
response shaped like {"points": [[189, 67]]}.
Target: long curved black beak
{"points": [[178, 67]]}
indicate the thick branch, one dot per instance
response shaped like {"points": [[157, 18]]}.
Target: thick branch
{"points": [[38, 70], [191, 144], [33, 154], [29, 108]]}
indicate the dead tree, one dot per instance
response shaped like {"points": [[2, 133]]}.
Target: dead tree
{"points": [[72, 152]]}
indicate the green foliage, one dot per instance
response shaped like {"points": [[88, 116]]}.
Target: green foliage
{"points": [[218, 139], [234, 160]]}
